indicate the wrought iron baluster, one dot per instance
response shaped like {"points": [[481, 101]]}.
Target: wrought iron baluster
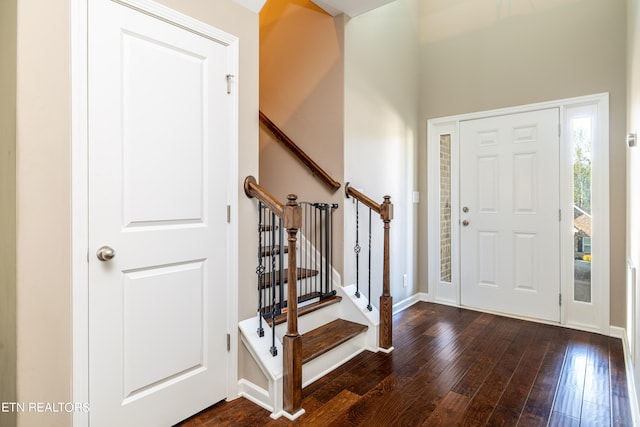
{"points": [[357, 248], [260, 269], [272, 288], [310, 245], [369, 295], [281, 302]]}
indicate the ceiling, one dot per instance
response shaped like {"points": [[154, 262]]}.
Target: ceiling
{"points": [[350, 7], [333, 7]]}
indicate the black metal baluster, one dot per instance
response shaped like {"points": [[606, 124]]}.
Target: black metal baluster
{"points": [[314, 254], [272, 288], [260, 270], [281, 302], [369, 295], [330, 245], [357, 248], [306, 228]]}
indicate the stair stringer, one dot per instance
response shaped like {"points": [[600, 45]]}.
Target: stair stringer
{"points": [[271, 367]]}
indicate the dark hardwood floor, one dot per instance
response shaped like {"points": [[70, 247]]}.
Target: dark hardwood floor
{"points": [[459, 367]]}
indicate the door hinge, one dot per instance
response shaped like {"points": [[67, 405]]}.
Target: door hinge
{"points": [[228, 342], [228, 213], [559, 299], [229, 78], [559, 130], [559, 214]]}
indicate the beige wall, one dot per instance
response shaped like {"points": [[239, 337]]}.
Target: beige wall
{"points": [[477, 56], [633, 154], [43, 208], [44, 327], [301, 91], [8, 349], [381, 131]]}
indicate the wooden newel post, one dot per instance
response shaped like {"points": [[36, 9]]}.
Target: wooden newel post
{"points": [[292, 342], [386, 300]]}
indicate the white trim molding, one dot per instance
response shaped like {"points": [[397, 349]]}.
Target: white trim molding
{"points": [[618, 332], [593, 316]]}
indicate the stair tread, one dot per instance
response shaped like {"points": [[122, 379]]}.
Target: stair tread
{"points": [[302, 273], [327, 337], [309, 308]]}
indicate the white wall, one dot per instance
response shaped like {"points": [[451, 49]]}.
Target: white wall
{"points": [[633, 154], [381, 136]]}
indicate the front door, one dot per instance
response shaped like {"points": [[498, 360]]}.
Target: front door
{"points": [[158, 191], [510, 225]]}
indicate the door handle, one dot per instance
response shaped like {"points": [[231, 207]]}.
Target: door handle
{"points": [[465, 223], [105, 253]]}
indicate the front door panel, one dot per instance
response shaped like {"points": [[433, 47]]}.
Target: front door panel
{"points": [[510, 232]]}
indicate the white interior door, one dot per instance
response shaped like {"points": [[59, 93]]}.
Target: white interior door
{"points": [[510, 225], [158, 191]]}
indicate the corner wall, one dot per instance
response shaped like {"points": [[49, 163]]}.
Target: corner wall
{"points": [[381, 137], [475, 56], [8, 349]]}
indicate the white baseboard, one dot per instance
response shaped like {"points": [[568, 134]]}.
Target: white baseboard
{"points": [[618, 332], [256, 394], [405, 303]]}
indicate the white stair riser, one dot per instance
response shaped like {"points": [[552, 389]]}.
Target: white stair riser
{"points": [[332, 359], [312, 320]]}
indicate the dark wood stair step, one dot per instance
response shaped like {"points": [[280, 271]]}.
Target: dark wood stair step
{"points": [[327, 337], [301, 273], [309, 308], [265, 251]]}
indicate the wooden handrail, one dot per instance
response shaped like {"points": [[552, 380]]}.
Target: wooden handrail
{"points": [[369, 202], [385, 209], [253, 189], [315, 169]]}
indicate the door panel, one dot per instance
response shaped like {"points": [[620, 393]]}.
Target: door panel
{"points": [[158, 183], [509, 183]]}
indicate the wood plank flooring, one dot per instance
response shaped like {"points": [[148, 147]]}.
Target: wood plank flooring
{"points": [[459, 367]]}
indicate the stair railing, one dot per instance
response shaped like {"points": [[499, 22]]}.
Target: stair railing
{"points": [[291, 216], [283, 139], [385, 210]]}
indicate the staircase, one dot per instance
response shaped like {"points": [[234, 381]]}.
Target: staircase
{"points": [[333, 331], [307, 324]]}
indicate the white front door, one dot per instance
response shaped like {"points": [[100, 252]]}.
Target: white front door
{"points": [[509, 214], [159, 121]]}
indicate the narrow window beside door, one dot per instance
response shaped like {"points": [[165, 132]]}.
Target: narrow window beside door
{"points": [[581, 128], [445, 208]]}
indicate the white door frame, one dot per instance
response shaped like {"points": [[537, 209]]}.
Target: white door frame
{"points": [[80, 200], [572, 314]]}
